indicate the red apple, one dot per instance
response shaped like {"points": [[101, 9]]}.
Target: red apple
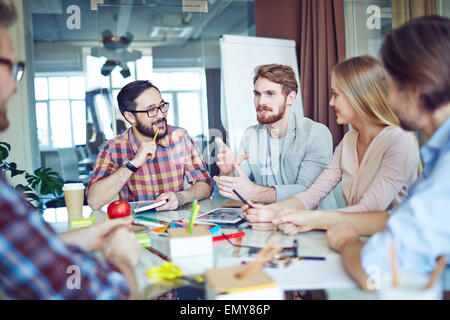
{"points": [[118, 209]]}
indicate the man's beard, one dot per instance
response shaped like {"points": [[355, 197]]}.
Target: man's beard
{"points": [[148, 130], [273, 118], [4, 123]]}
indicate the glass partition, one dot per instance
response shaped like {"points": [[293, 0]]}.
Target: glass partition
{"points": [[83, 52]]}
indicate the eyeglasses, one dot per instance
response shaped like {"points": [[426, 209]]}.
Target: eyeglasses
{"points": [[17, 68], [152, 112]]}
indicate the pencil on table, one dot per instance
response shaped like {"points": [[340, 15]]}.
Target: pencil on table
{"points": [[263, 255], [394, 266], [440, 266], [258, 263]]}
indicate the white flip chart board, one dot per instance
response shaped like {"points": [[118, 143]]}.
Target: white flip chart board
{"points": [[240, 55]]}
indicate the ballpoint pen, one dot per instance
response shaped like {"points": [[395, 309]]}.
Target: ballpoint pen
{"points": [[242, 199]]}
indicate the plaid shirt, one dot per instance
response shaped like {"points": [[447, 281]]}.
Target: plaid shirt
{"points": [[36, 264], [176, 157]]}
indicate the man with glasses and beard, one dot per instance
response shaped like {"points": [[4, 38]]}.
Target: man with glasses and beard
{"points": [[150, 160], [283, 154]]}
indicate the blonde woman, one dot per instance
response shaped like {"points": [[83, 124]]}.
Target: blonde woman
{"points": [[376, 161]]}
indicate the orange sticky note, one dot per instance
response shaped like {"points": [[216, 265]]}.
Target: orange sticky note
{"points": [[161, 229]]}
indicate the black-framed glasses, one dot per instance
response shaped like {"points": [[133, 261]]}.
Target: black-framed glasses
{"points": [[152, 112], [17, 68]]}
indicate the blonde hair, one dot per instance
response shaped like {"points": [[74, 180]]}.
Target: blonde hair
{"points": [[363, 81]]}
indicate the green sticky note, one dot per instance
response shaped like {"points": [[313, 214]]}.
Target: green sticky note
{"points": [[143, 239], [82, 222]]}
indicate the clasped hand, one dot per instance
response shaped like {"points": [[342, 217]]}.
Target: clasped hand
{"points": [[290, 221]]}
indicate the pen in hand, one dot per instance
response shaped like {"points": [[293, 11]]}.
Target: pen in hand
{"points": [[154, 139], [242, 199]]}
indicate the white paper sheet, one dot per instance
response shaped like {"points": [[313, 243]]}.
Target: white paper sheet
{"points": [[305, 274]]}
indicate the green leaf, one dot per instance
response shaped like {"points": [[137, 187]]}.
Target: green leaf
{"points": [[60, 203], [32, 196], [12, 167], [5, 148], [43, 180], [21, 188], [7, 145], [14, 170], [3, 153], [50, 182]]}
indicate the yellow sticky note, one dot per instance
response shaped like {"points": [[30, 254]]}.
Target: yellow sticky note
{"points": [[82, 222], [143, 239]]}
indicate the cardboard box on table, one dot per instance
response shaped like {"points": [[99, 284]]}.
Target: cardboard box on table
{"points": [[196, 243]]}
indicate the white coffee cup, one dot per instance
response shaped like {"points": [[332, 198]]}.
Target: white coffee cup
{"points": [[74, 196]]}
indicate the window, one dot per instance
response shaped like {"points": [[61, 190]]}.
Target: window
{"points": [[183, 88], [60, 110], [364, 31], [367, 22]]}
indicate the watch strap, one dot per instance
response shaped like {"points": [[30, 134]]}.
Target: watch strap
{"points": [[129, 165]]}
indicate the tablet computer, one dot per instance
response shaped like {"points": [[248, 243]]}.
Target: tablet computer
{"points": [[221, 215]]}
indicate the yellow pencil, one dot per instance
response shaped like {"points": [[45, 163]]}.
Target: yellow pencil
{"points": [[156, 134], [154, 139]]}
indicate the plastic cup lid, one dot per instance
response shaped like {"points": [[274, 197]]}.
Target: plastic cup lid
{"points": [[73, 186]]}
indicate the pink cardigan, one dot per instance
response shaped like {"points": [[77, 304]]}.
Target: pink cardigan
{"points": [[388, 167]]}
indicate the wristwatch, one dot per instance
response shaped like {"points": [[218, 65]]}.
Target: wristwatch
{"points": [[129, 165]]}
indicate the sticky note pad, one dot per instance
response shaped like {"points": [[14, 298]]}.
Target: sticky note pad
{"points": [[214, 229], [182, 244], [161, 230], [82, 222], [143, 239]]}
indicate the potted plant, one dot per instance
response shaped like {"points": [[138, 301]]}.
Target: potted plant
{"points": [[42, 182]]}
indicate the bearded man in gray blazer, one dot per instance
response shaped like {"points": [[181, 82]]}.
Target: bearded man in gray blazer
{"points": [[284, 153]]}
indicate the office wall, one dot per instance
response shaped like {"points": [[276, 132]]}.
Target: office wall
{"points": [[278, 19], [21, 133]]}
